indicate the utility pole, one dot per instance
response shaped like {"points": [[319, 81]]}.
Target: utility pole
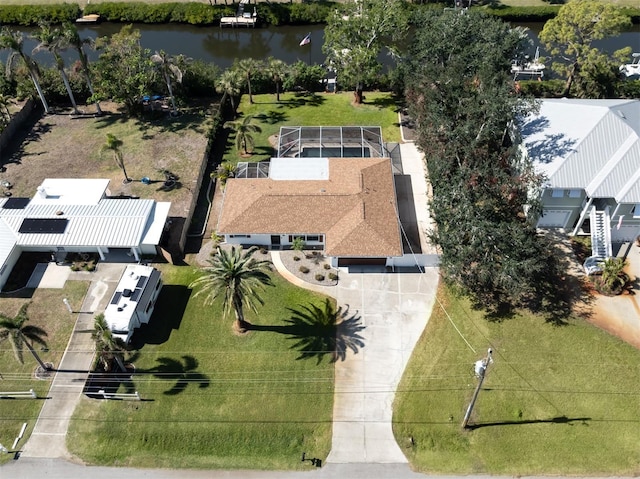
{"points": [[481, 370]]}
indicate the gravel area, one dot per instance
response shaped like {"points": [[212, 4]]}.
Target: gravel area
{"points": [[307, 259]]}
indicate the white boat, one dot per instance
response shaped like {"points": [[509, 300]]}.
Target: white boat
{"points": [[529, 67], [633, 68]]}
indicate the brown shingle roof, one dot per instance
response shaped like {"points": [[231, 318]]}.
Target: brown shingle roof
{"points": [[355, 208]]}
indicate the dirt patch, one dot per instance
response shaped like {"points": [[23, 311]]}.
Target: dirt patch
{"points": [[65, 146]]}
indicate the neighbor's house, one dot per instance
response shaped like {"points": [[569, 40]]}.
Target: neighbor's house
{"points": [[329, 186], [78, 216], [133, 301], [589, 151]]}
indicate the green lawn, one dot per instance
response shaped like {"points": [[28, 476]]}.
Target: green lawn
{"points": [[213, 399], [379, 109], [557, 400], [48, 312]]}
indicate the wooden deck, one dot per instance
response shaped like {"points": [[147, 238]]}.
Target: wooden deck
{"points": [[238, 21]]}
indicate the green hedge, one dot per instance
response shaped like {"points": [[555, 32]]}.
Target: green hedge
{"points": [[139, 12], [33, 14]]}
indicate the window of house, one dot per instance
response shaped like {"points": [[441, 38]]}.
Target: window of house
{"points": [[239, 236], [575, 193], [636, 210], [556, 193]]}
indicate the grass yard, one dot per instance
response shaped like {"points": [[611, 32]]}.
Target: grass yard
{"points": [[295, 109], [558, 400], [48, 312], [213, 399]]}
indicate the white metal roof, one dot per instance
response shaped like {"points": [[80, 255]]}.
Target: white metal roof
{"points": [[155, 223], [71, 191], [299, 169], [587, 144], [7, 241]]}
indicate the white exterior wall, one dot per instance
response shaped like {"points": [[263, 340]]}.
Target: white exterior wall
{"points": [[7, 267]]}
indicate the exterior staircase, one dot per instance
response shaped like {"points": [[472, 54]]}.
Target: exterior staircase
{"points": [[600, 233]]}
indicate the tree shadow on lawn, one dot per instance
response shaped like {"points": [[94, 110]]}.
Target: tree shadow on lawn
{"points": [[385, 102], [272, 117], [167, 316], [31, 131], [301, 99], [183, 372], [321, 331]]}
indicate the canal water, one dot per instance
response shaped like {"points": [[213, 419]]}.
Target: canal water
{"points": [[223, 45]]}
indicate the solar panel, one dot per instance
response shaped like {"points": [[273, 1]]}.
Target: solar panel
{"points": [[43, 225], [15, 203], [141, 281], [136, 294], [116, 297]]}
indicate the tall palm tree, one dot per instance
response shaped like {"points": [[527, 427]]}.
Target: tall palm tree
{"points": [[238, 277], [108, 347], [21, 335], [243, 129], [229, 84], [114, 145], [72, 37], [248, 66], [277, 70], [13, 40], [166, 65], [53, 41]]}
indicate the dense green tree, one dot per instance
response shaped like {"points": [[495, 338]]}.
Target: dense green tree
{"points": [[14, 41], [238, 277], [54, 41], [589, 72], [109, 348], [302, 75], [72, 37], [462, 96], [124, 69], [248, 67], [114, 145], [168, 68], [356, 33], [230, 84], [277, 69], [243, 130], [21, 335]]}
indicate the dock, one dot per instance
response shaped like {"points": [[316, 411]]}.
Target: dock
{"points": [[243, 21]]}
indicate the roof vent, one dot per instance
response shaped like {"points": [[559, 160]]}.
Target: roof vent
{"points": [[126, 293], [59, 212]]}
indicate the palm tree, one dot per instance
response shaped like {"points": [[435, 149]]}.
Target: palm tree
{"points": [[277, 69], [5, 114], [229, 84], [12, 40], [54, 41], [108, 347], [114, 144], [167, 66], [243, 129], [237, 276], [21, 335], [248, 66], [72, 37]]}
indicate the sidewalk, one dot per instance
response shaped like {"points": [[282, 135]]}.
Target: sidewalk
{"points": [[48, 439]]}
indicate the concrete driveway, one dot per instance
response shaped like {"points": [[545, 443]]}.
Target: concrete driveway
{"points": [[394, 310]]}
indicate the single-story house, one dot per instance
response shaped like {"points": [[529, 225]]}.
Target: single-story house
{"points": [[78, 216], [345, 206], [133, 300], [589, 152]]}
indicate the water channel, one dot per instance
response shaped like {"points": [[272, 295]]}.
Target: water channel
{"points": [[222, 45]]}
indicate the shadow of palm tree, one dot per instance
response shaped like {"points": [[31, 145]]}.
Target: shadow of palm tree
{"points": [[321, 331], [171, 369]]}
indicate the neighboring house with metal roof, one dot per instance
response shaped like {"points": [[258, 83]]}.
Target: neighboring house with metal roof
{"points": [[589, 152], [78, 215], [346, 206]]}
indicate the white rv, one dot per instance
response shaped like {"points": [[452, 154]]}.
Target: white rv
{"points": [[132, 303]]}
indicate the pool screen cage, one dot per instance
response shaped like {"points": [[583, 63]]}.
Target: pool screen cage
{"points": [[331, 142]]}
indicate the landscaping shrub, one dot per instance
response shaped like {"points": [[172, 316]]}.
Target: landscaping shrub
{"points": [[319, 277], [309, 13], [296, 258], [542, 89], [327, 266], [34, 14], [303, 269], [192, 13], [333, 276]]}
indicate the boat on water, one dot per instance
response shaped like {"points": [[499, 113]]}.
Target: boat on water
{"points": [[631, 69], [91, 18], [527, 67]]}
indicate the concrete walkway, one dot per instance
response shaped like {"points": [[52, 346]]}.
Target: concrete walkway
{"points": [[49, 434]]}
